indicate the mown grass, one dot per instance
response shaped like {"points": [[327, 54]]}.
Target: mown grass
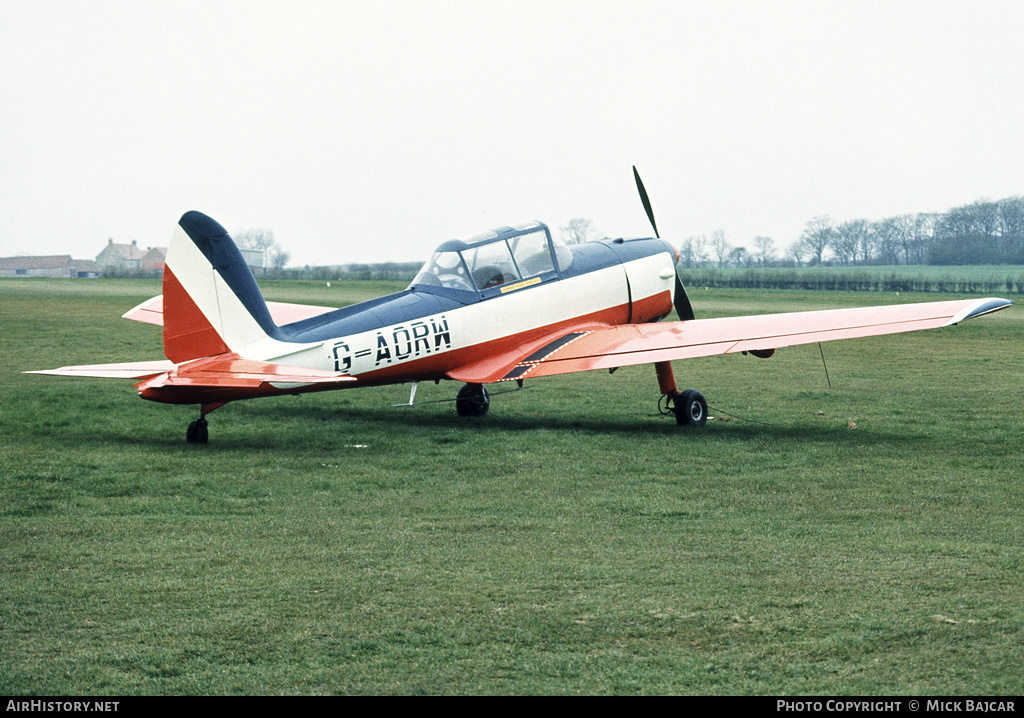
{"points": [[863, 539]]}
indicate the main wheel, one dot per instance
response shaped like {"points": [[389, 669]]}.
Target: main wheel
{"points": [[472, 400], [690, 407], [198, 432]]}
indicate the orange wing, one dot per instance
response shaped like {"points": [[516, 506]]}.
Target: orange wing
{"points": [[607, 347]]}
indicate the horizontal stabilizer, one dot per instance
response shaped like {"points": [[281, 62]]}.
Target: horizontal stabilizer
{"points": [[125, 370], [151, 311], [231, 370], [227, 377]]}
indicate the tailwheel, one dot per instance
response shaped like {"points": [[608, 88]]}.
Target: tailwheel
{"points": [[472, 400], [197, 433], [690, 408]]}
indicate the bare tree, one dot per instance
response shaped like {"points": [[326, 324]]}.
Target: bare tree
{"points": [[887, 240], [262, 240], [866, 240], [739, 256], [720, 247], [1011, 229], [578, 231], [765, 250], [847, 240], [686, 254], [278, 259], [817, 237], [700, 250], [796, 252]]}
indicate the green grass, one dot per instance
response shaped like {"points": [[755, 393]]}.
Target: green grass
{"points": [[863, 539]]}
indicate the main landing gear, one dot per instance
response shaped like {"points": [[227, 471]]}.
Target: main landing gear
{"points": [[690, 407], [472, 400]]}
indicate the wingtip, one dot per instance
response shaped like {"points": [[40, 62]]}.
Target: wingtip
{"points": [[976, 309]]}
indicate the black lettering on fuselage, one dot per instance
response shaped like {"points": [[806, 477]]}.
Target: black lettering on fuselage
{"points": [[383, 350]]}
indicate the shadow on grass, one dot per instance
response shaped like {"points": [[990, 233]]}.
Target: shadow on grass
{"points": [[264, 426]]}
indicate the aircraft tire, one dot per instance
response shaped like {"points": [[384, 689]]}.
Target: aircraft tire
{"points": [[198, 432], [691, 408], [472, 400]]}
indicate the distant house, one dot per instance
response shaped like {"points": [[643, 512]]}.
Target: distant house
{"points": [[130, 259], [53, 266], [153, 260]]}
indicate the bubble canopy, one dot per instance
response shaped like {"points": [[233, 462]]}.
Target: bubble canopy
{"points": [[495, 259]]}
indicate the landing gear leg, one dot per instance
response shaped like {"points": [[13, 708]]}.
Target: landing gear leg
{"points": [[198, 432], [472, 400]]}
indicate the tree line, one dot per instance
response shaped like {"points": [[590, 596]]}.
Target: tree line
{"points": [[983, 232]]}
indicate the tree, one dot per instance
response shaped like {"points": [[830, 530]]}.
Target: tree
{"points": [[1011, 229], [910, 234], [700, 250], [817, 237], [765, 250], [739, 256], [887, 241], [795, 253], [720, 247], [578, 231], [686, 253], [849, 239], [262, 240], [278, 259]]}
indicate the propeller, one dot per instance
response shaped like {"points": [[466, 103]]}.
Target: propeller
{"points": [[682, 302], [646, 200]]}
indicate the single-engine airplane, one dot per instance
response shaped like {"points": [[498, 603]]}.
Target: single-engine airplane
{"points": [[503, 306]]}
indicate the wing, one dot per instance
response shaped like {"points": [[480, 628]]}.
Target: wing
{"points": [[586, 348], [151, 311]]}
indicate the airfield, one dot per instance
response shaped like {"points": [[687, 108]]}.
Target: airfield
{"points": [[863, 538]]}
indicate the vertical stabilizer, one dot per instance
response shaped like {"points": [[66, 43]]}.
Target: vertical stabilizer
{"points": [[211, 303]]}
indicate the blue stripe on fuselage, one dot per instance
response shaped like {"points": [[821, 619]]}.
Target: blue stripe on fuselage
{"points": [[367, 316]]}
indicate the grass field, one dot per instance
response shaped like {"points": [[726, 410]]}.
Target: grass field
{"points": [[860, 539]]}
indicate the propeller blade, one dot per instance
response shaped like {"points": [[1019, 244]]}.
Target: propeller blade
{"points": [[682, 302], [646, 201]]}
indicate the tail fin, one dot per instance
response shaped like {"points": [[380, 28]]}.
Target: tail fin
{"points": [[211, 301]]}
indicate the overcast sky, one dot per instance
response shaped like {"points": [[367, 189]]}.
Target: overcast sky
{"points": [[372, 131]]}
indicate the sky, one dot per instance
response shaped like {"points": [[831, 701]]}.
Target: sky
{"points": [[373, 131]]}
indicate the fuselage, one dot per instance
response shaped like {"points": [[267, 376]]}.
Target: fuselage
{"points": [[455, 314]]}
